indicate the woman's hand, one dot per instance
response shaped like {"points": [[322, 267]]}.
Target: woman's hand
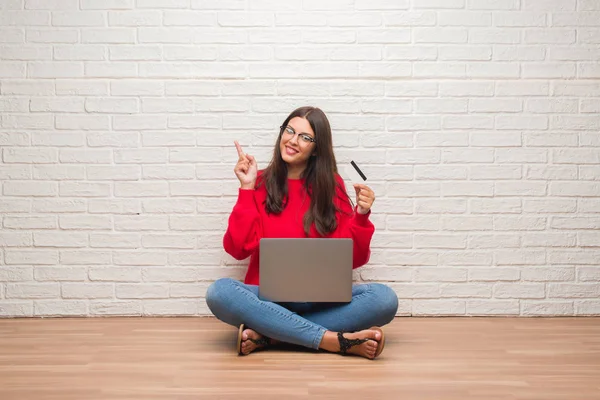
{"points": [[246, 168], [364, 197]]}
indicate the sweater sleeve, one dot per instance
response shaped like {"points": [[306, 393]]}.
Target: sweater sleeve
{"points": [[353, 225], [244, 229]]}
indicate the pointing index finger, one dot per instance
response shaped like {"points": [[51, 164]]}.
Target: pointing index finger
{"points": [[239, 149]]}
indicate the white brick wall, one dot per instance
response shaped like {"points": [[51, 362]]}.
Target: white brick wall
{"points": [[476, 121]]}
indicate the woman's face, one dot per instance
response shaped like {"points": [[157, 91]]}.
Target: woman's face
{"points": [[297, 142]]}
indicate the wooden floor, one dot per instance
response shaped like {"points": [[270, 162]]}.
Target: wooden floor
{"points": [[192, 358]]}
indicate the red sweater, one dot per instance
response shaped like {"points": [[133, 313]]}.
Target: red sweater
{"points": [[249, 222]]}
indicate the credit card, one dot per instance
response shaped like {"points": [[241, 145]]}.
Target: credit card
{"points": [[353, 173]]}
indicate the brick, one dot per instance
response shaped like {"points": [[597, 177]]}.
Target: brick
{"points": [[520, 257], [61, 308], [32, 290], [115, 274], [438, 274], [492, 307], [547, 308], [87, 290], [438, 307], [61, 273], [142, 291], [87, 257], [60, 239], [30, 222], [519, 290], [548, 274], [121, 308], [494, 241]]}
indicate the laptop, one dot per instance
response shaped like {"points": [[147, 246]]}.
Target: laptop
{"points": [[305, 270]]}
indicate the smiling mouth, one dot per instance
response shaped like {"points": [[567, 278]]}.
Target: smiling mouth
{"points": [[291, 151]]}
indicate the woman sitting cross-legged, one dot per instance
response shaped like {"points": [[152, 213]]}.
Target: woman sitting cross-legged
{"points": [[300, 195]]}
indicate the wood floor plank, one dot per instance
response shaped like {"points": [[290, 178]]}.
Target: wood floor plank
{"points": [[191, 358]]}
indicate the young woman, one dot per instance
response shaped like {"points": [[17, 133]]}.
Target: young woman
{"points": [[300, 195]]}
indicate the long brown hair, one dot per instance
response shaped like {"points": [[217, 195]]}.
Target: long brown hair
{"points": [[319, 175]]}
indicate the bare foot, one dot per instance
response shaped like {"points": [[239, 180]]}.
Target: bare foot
{"points": [[248, 346], [367, 349]]}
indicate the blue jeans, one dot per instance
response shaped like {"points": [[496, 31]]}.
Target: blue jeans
{"points": [[304, 324]]}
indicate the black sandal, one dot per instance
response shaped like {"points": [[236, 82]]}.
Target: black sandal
{"points": [[346, 344], [263, 341]]}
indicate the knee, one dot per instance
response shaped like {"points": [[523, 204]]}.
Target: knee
{"points": [[387, 301], [215, 293]]}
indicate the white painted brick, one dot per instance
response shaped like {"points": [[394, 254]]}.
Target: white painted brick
{"points": [[495, 105], [520, 188], [549, 205], [163, 3], [576, 189], [141, 223], [188, 289], [549, 5], [548, 274], [582, 89], [187, 53], [487, 241], [467, 122], [115, 274], [167, 105], [108, 70], [60, 308], [15, 239], [437, 274], [85, 156], [413, 53], [51, 4], [492, 307], [571, 257], [410, 258], [518, 53], [112, 240], [87, 257], [61, 273], [59, 205], [12, 35], [587, 307], [169, 206], [440, 106], [513, 223], [107, 4], [125, 87], [519, 19], [589, 106], [499, 172], [16, 309], [114, 206], [467, 53], [141, 189], [34, 122], [440, 173], [78, 222], [469, 290], [549, 36], [573, 290], [522, 155], [493, 4], [81, 87], [142, 291], [170, 307], [333, 4], [438, 307], [575, 222], [413, 122], [479, 189], [30, 188], [58, 172], [440, 35], [15, 172], [439, 4], [520, 257], [493, 36], [464, 18], [588, 35], [60, 239], [140, 258], [462, 155], [495, 206], [515, 88], [548, 70], [32, 290], [30, 155], [139, 122], [127, 308], [519, 290], [87, 290], [78, 18], [546, 308], [588, 239], [589, 205], [25, 53], [171, 172], [413, 189], [139, 53], [493, 274], [29, 222], [113, 173], [24, 18], [579, 19], [13, 105], [444, 139], [493, 70], [141, 156], [412, 223], [84, 189], [550, 172], [549, 240], [135, 18], [575, 156], [436, 241]]}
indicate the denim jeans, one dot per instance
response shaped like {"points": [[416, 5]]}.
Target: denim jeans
{"points": [[304, 324]]}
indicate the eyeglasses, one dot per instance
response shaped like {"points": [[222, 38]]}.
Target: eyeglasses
{"points": [[303, 136]]}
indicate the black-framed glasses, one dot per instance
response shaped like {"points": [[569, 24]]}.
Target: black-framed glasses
{"points": [[302, 136]]}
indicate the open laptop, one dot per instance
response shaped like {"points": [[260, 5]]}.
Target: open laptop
{"points": [[305, 270]]}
